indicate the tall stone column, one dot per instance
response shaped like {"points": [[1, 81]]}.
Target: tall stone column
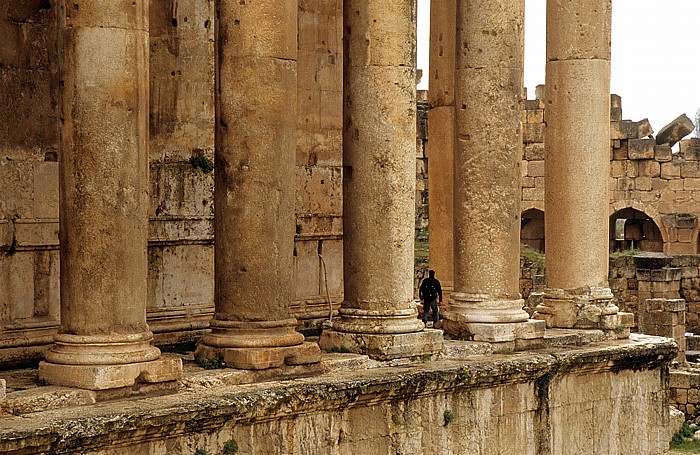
{"points": [[486, 302], [377, 316], [256, 67], [104, 341], [577, 160], [441, 141]]}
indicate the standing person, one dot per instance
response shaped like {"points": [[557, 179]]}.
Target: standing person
{"points": [[429, 293]]}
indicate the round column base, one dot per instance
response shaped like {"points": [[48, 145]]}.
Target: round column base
{"points": [[257, 345], [118, 349], [354, 320], [581, 309]]}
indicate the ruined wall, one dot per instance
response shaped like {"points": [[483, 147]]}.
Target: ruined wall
{"points": [[181, 267], [611, 398], [648, 178]]}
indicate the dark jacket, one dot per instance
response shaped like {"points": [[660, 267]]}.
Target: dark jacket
{"points": [[429, 289]]}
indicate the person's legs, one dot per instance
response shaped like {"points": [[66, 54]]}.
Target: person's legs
{"points": [[434, 309]]}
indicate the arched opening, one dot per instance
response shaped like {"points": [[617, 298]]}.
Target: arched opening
{"points": [[633, 229], [532, 229]]}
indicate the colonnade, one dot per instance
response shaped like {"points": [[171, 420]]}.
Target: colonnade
{"points": [[104, 341]]}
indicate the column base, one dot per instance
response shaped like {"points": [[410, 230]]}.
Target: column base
{"points": [[383, 346], [257, 345], [261, 358], [458, 326], [103, 377], [585, 309]]}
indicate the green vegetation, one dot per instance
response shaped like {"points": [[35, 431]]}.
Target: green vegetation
{"points": [[212, 364], [200, 160], [448, 416], [202, 452], [531, 254], [623, 253], [683, 440], [230, 447]]}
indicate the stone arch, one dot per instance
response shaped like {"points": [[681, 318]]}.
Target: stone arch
{"points": [[532, 229], [639, 230]]}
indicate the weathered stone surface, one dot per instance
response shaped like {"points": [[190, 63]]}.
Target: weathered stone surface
{"points": [[392, 409], [640, 149], [675, 131]]}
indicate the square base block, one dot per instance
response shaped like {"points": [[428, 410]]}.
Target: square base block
{"points": [[103, 377], [261, 358], [496, 332], [383, 346]]}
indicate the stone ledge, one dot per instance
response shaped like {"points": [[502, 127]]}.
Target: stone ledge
{"points": [[384, 346]]}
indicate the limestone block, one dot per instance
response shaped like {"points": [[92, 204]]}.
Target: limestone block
{"points": [[36, 233], [307, 269], [690, 169], [534, 151], [642, 183], [671, 169], [533, 133], [691, 184], [536, 116], [631, 168], [527, 182], [662, 152], [533, 194], [3, 390], [46, 190], [531, 105], [675, 131], [535, 168], [46, 398], [689, 149], [384, 346], [620, 153], [649, 168], [617, 169], [681, 395], [641, 149], [318, 190]]}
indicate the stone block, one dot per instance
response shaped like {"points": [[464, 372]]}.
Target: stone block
{"points": [[384, 346], [617, 169], [662, 152], [689, 149], [675, 131], [534, 151], [533, 132], [642, 183], [631, 168], [46, 398], [540, 92], [641, 149], [671, 169], [532, 105], [534, 116], [535, 169], [690, 169], [620, 153], [691, 184], [649, 168], [533, 194], [681, 395], [103, 377], [527, 182], [46, 190]]}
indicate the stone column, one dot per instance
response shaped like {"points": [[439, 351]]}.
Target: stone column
{"points": [[104, 341], [486, 303], [577, 160], [441, 141], [256, 67], [377, 316]]}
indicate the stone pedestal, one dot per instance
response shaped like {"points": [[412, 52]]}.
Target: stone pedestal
{"points": [[104, 341], [377, 316], [486, 303], [577, 161], [254, 188]]}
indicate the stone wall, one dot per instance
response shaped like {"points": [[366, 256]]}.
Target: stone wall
{"points": [[180, 279], [607, 398], [657, 189]]}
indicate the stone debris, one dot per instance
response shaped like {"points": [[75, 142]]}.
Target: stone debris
{"points": [[675, 131]]}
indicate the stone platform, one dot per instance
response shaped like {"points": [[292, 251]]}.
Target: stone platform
{"points": [[576, 398]]}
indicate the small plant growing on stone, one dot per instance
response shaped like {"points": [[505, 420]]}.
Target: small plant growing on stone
{"points": [[202, 452], [200, 160], [230, 447], [448, 416], [212, 364], [462, 375]]}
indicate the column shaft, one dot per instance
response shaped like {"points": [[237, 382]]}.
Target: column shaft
{"points": [[256, 63], [441, 141], [488, 144], [103, 198], [379, 131], [577, 160]]}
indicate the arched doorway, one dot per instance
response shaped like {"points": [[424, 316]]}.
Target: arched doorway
{"points": [[631, 228], [532, 229]]}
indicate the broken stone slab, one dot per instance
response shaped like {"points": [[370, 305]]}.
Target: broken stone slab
{"points": [[675, 131], [44, 398], [640, 149], [627, 129]]}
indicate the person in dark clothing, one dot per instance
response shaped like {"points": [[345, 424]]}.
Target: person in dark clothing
{"points": [[430, 293]]}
